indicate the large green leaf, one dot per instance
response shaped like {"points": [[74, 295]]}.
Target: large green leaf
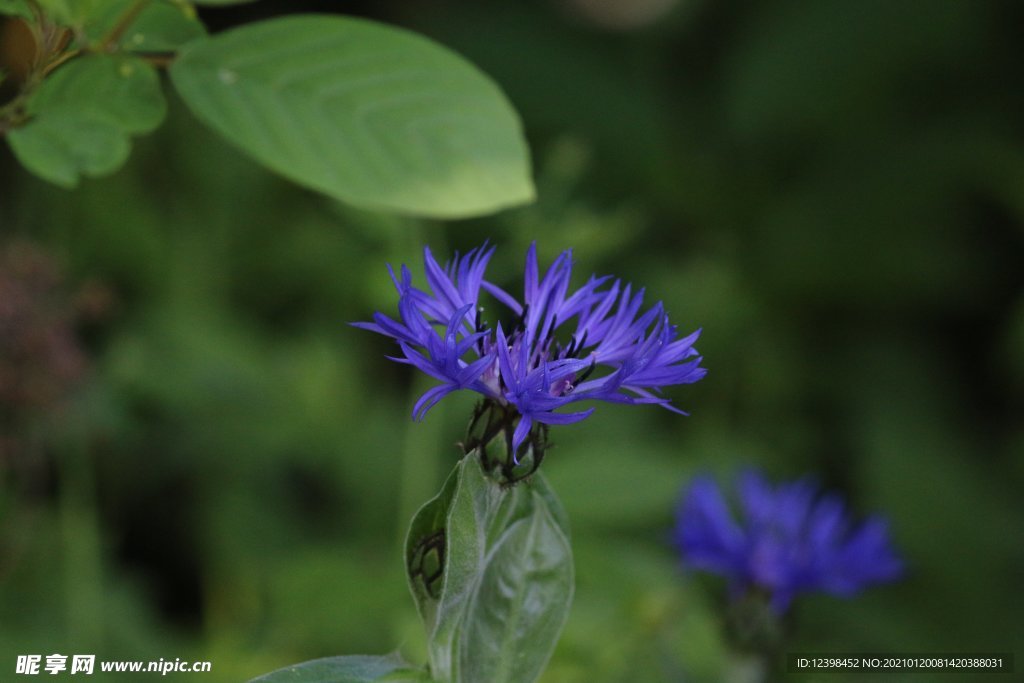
{"points": [[83, 114], [507, 576], [369, 114], [352, 669]]}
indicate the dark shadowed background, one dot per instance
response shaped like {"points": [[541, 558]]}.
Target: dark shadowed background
{"points": [[201, 460]]}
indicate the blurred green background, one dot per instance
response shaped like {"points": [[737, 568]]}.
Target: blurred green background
{"points": [[201, 460]]}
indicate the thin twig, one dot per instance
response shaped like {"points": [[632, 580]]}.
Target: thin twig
{"points": [[60, 59], [109, 43], [160, 60]]}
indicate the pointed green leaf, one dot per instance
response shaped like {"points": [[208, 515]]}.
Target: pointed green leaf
{"points": [[369, 114], [352, 669], [521, 604], [83, 115], [507, 576]]}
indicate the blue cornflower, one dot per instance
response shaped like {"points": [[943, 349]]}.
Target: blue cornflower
{"points": [[547, 360], [786, 540]]}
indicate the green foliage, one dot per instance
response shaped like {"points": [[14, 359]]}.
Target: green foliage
{"points": [[160, 27], [250, 467], [84, 115], [491, 570], [490, 567], [354, 669], [15, 8], [66, 12], [371, 115]]}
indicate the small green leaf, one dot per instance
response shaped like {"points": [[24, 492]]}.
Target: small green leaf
{"points": [[62, 146], [163, 27], [352, 669], [116, 88], [369, 114], [83, 115], [159, 27]]}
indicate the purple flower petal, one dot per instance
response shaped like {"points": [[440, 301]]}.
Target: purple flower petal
{"points": [[617, 354]]}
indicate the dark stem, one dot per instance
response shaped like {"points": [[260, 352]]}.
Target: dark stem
{"points": [[160, 60]]}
